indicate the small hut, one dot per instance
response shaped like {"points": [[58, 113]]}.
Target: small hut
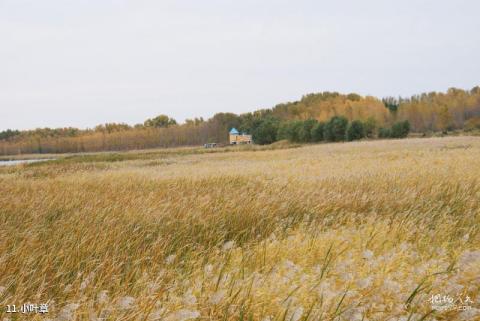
{"points": [[237, 138]]}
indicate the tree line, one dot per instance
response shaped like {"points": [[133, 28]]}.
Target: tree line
{"points": [[337, 129], [327, 116]]}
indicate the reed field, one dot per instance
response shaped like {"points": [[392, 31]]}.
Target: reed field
{"points": [[371, 230]]}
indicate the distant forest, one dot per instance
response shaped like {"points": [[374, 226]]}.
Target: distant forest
{"points": [[456, 109]]}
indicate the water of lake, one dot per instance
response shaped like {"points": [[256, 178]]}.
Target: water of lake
{"points": [[23, 161]]}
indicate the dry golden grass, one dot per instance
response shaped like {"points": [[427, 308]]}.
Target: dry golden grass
{"points": [[352, 231]]}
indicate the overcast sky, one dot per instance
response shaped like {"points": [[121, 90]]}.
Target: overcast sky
{"points": [[80, 63]]}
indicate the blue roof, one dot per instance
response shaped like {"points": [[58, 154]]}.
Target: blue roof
{"points": [[234, 131]]}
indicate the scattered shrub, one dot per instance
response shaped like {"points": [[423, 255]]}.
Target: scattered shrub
{"points": [[305, 131], [355, 131], [291, 130], [266, 132], [317, 132], [335, 129], [384, 132], [472, 124], [370, 125], [400, 129]]}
